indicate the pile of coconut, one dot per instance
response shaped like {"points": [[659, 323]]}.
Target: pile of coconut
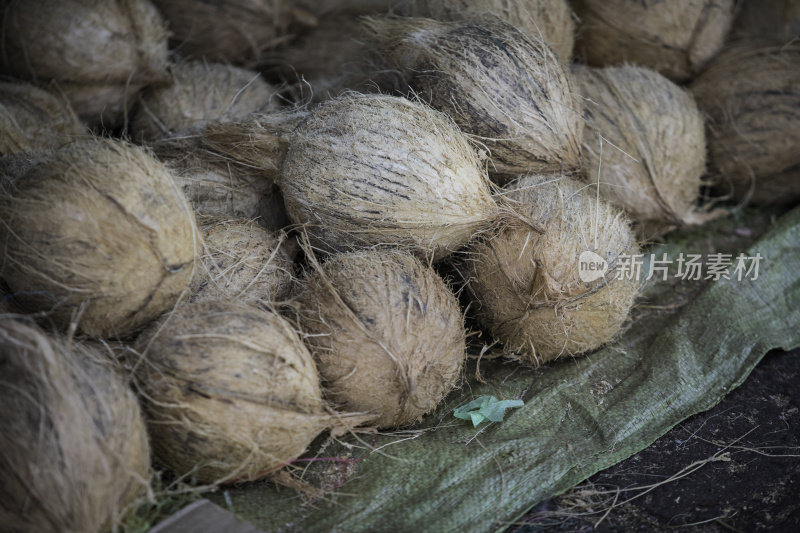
{"points": [[228, 228]]}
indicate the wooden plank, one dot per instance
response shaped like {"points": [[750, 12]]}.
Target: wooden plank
{"points": [[203, 516]]}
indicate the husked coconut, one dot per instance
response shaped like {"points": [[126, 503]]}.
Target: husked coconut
{"points": [[770, 19]]}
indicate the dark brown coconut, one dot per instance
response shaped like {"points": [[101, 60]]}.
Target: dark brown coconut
{"points": [[241, 261], [98, 53], [371, 170], [200, 94], [499, 84], [527, 286], [644, 143], [33, 119], [751, 96], [770, 19], [75, 453], [549, 20], [386, 332], [230, 392], [675, 38], [97, 232]]}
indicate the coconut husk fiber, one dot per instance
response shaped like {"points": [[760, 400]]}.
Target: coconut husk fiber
{"points": [[33, 119], [386, 332], [233, 31], [96, 53], [750, 94], [676, 38], [500, 85], [526, 286], [372, 170], [549, 20], [75, 450], [644, 144], [230, 392], [241, 261], [201, 93], [97, 233], [770, 19]]}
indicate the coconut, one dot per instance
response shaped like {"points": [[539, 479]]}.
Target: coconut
{"points": [[98, 53], [497, 82], [771, 19], [75, 451], [386, 332], [549, 20], [676, 38], [528, 287], [371, 170], [751, 95], [230, 392], [242, 261], [200, 94], [645, 143], [97, 232], [234, 31], [33, 119]]}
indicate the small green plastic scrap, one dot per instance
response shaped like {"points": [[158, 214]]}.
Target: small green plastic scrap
{"points": [[485, 408]]}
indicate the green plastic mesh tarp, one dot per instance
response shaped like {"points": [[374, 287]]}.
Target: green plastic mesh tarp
{"points": [[690, 343]]}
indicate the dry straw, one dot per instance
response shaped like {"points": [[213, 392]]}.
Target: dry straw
{"points": [[386, 332], [644, 143], [75, 453], [549, 20], [751, 96], [97, 232], [675, 38], [200, 94], [33, 119], [499, 84], [241, 261], [527, 287], [98, 53], [230, 392]]}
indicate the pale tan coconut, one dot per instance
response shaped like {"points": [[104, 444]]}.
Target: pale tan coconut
{"points": [[33, 119], [499, 84], [97, 232], [386, 332], [200, 94], [233, 31], [229, 390], [241, 261], [75, 454], [527, 287], [675, 38], [771, 19], [98, 53], [549, 20], [751, 94], [371, 170], [644, 143]]}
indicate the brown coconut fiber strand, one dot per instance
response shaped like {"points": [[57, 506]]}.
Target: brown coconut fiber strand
{"points": [[526, 286], [241, 261], [371, 170], [230, 392], [644, 143], [200, 94], [549, 20], [499, 84], [386, 332], [75, 454], [676, 37], [750, 94], [770, 19], [97, 232], [34, 119], [98, 53]]}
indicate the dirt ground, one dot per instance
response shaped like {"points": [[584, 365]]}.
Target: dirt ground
{"points": [[734, 468]]}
